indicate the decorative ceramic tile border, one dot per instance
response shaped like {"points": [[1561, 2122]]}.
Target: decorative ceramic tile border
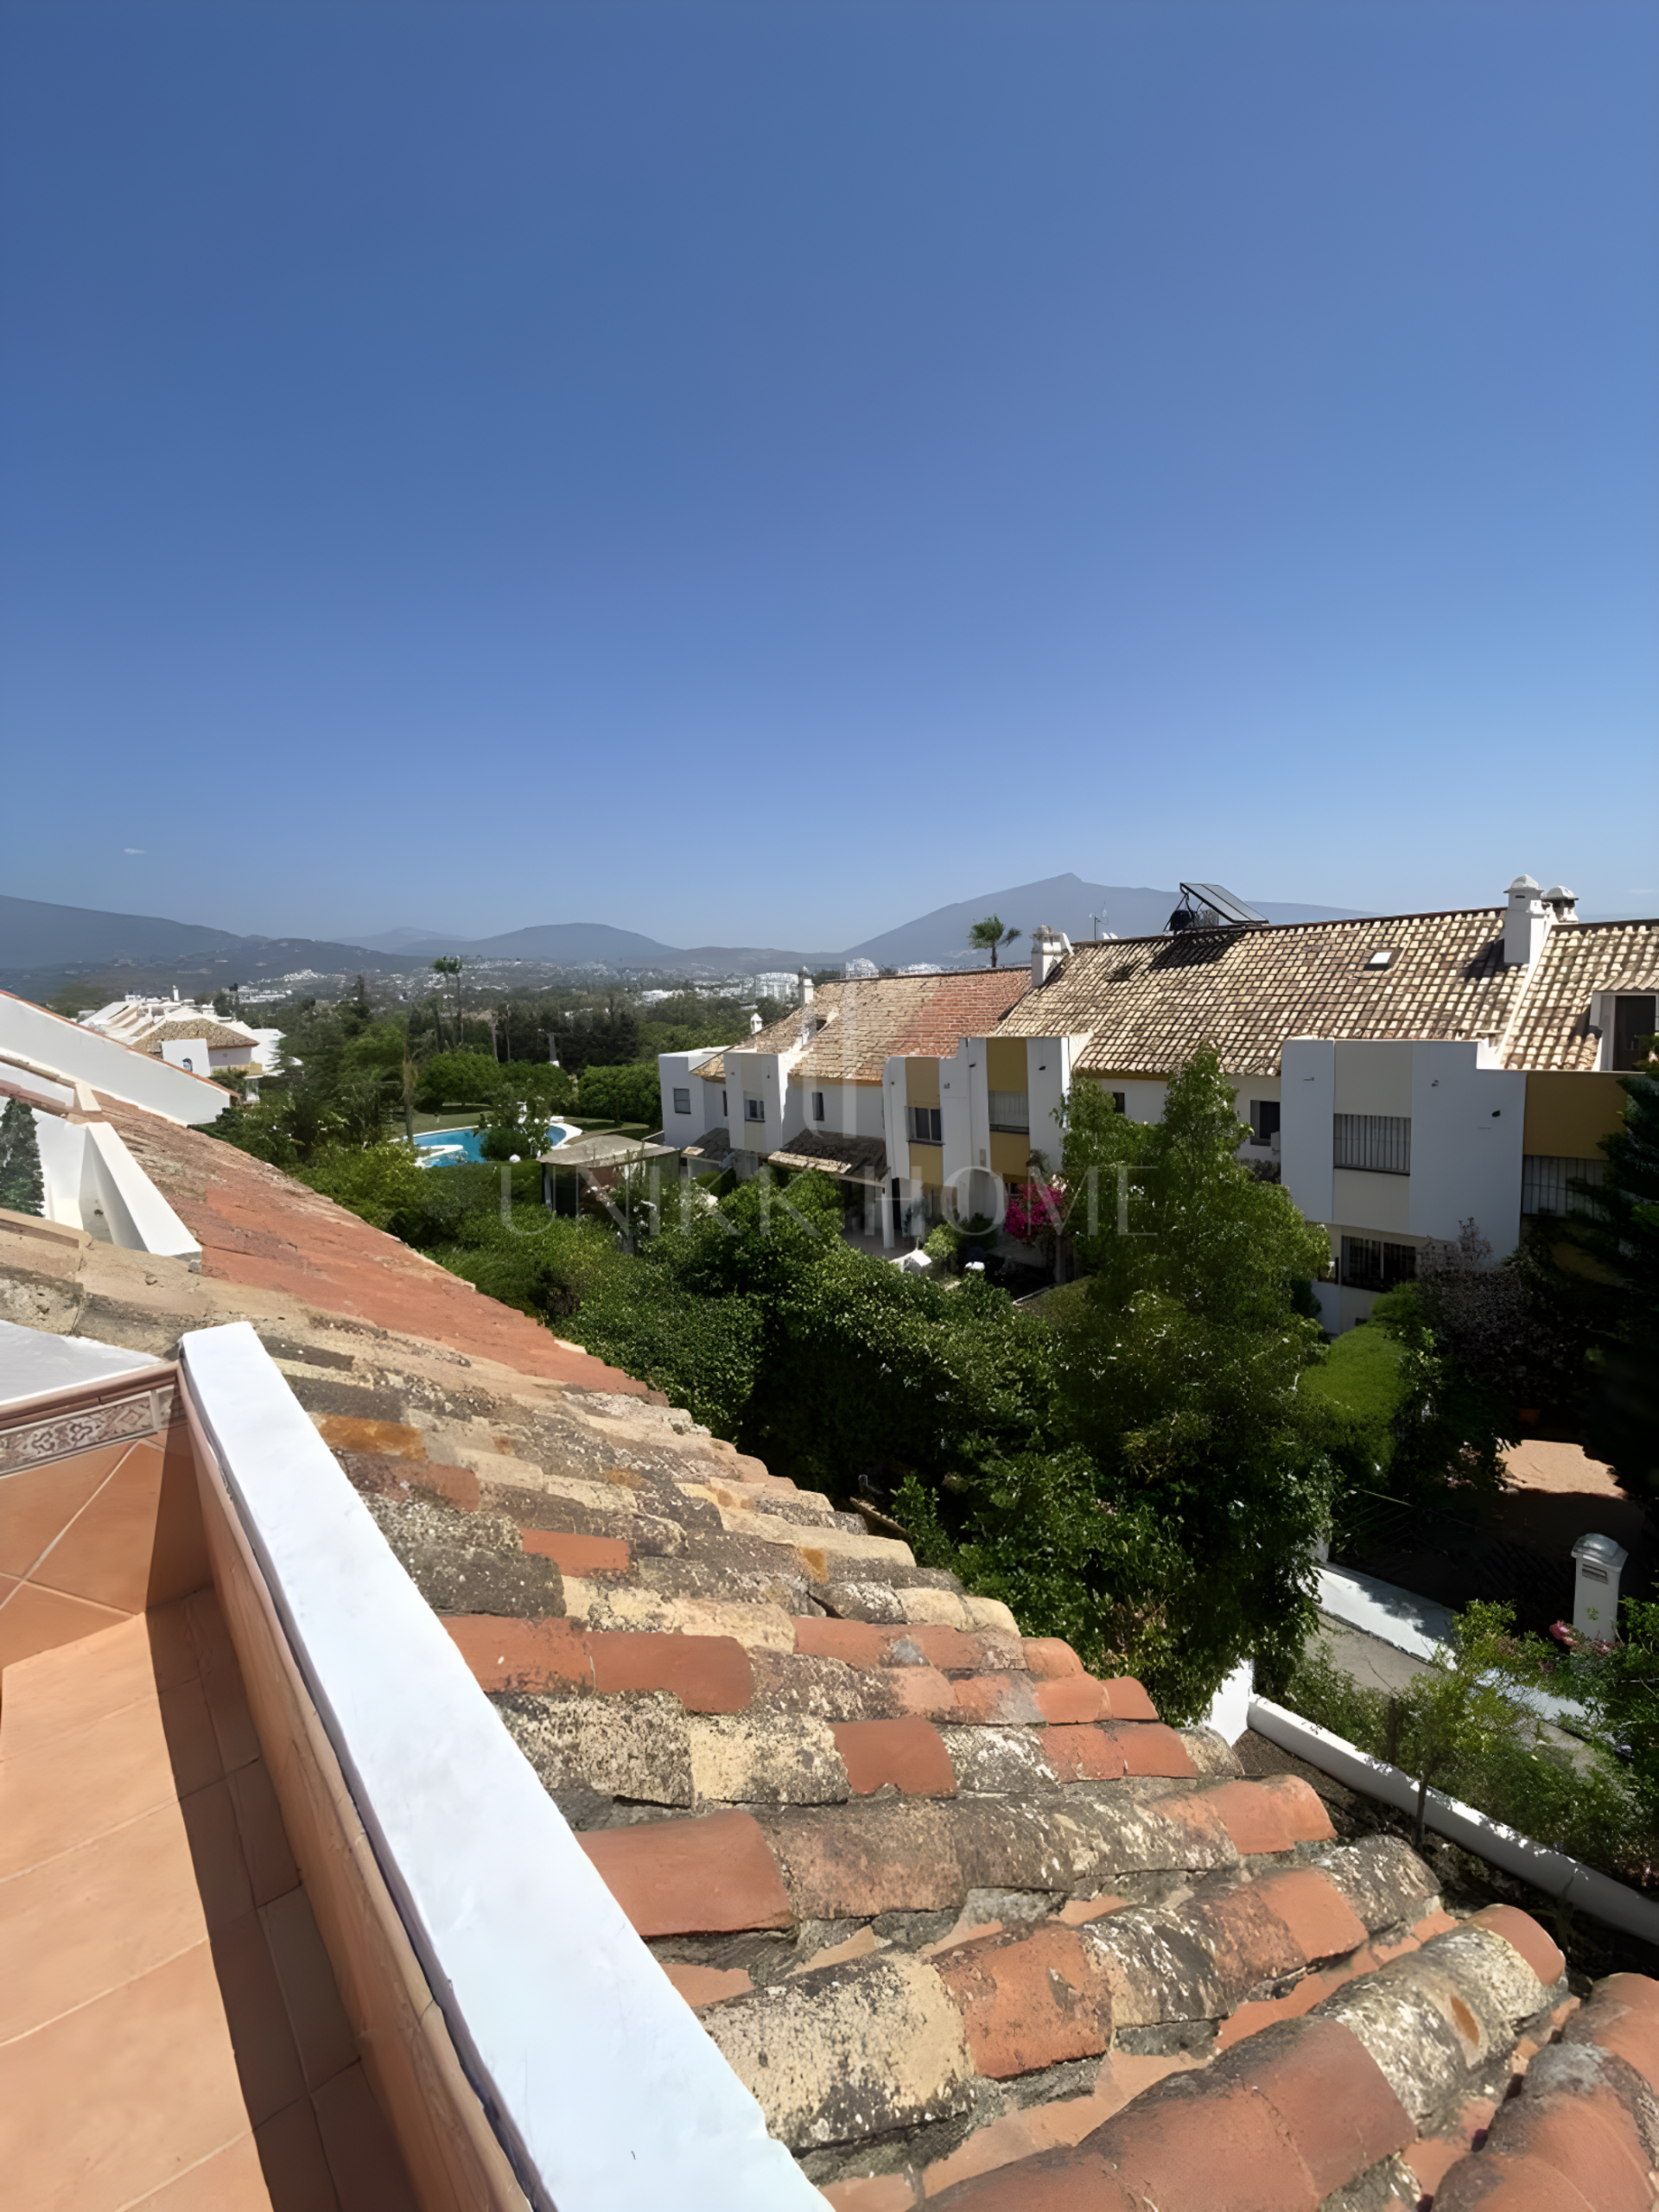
{"points": [[111, 1421]]}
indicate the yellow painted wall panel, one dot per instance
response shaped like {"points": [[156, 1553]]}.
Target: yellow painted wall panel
{"points": [[1008, 1154], [1566, 1114], [1005, 1063], [921, 1083]]}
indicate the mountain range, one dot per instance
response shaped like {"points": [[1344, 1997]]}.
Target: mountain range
{"points": [[42, 944], [1065, 902]]}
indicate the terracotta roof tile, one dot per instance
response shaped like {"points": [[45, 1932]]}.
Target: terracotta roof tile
{"points": [[949, 1903], [853, 1027], [1145, 1004]]}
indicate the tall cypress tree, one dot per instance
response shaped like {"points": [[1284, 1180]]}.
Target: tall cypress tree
{"points": [[21, 1190], [1619, 1227]]}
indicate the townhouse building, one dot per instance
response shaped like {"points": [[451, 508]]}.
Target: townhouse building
{"points": [[1401, 1074]]}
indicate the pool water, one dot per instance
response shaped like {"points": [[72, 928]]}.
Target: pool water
{"points": [[457, 1148]]}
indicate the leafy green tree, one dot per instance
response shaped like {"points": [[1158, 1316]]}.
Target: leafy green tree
{"points": [[1457, 1707], [21, 1190], [457, 1079], [449, 967], [621, 1094], [989, 936], [1618, 1232], [1179, 1367]]}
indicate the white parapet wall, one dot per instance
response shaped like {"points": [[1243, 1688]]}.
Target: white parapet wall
{"points": [[65, 1051], [92, 1182], [1552, 1871], [610, 2096]]}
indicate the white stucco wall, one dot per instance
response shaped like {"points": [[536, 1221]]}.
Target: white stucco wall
{"points": [[1308, 1090], [678, 1071], [92, 1182], [1467, 1134]]}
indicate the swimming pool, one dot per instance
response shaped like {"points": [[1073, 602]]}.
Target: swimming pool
{"points": [[456, 1148]]}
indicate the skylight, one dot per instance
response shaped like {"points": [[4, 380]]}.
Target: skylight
{"points": [[1379, 960]]}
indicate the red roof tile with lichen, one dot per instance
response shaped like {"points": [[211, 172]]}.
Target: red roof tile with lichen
{"points": [[976, 1927], [258, 1227]]}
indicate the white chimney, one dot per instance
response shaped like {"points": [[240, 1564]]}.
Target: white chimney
{"points": [[1048, 948], [806, 988], [1563, 902], [1526, 924]]}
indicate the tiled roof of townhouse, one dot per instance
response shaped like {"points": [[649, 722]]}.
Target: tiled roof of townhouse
{"points": [[217, 1035], [858, 1023], [1146, 1003], [974, 1925], [1551, 1030]]}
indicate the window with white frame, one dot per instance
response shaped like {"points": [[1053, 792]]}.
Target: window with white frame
{"points": [[1378, 1143], [682, 1099], [755, 1110], [925, 1125], [1264, 1120], [1011, 1110]]}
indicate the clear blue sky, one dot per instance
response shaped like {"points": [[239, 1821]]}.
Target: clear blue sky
{"points": [[754, 471]]}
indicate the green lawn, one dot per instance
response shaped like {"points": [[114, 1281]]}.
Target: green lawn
{"points": [[1361, 1372]]}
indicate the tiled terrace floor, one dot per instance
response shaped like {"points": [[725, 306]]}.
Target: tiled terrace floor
{"points": [[171, 2035]]}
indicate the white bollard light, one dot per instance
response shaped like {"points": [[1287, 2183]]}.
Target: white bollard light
{"points": [[1595, 1586]]}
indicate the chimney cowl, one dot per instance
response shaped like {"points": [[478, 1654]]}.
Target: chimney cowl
{"points": [[1523, 883]]}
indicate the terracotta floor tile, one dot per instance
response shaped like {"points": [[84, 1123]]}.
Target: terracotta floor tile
{"points": [[178, 1557], [363, 2154], [91, 1779], [172, 1646], [264, 1839], [296, 2164], [216, 1855], [321, 2029], [64, 1688], [209, 1631], [86, 1921], [33, 1621], [104, 1554], [232, 2180], [38, 1504], [227, 1702], [120, 2096], [267, 2061]]}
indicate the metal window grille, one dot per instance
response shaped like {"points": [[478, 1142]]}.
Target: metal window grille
{"points": [[1011, 1109], [755, 1110], [682, 1101], [1546, 1183], [1368, 1263], [1379, 1142], [925, 1125]]}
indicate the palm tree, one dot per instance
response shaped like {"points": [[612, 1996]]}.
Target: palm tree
{"points": [[989, 935]]}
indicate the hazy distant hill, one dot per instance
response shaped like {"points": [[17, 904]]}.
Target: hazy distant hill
{"points": [[1065, 902], [43, 945]]}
